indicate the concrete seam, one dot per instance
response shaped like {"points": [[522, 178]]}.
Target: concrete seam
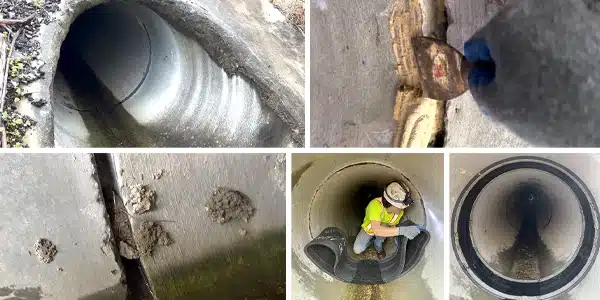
{"points": [[105, 173]]}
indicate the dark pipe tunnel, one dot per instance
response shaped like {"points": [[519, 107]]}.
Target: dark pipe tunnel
{"points": [[341, 200], [127, 78]]}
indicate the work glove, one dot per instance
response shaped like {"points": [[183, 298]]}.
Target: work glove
{"points": [[410, 231], [536, 69]]}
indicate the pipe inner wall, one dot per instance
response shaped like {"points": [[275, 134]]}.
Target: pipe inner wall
{"points": [[525, 227], [127, 78], [527, 224], [342, 198]]}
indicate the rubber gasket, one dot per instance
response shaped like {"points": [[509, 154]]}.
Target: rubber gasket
{"points": [[329, 252]]}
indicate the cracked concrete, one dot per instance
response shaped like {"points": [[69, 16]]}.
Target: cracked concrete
{"points": [[56, 197], [207, 259]]}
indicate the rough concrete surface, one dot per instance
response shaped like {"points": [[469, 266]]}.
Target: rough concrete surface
{"points": [[466, 125], [309, 171], [272, 57], [192, 265], [149, 235], [45, 251], [228, 204], [353, 74], [140, 200], [54, 197], [293, 11], [463, 167]]}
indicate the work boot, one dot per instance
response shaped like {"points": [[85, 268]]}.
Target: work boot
{"points": [[381, 255]]}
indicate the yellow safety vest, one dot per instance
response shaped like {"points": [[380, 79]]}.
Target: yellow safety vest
{"points": [[376, 212]]}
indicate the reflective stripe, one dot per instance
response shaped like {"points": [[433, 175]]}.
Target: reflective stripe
{"points": [[394, 218]]}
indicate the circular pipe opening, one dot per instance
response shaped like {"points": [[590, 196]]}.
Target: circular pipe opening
{"points": [[525, 227], [341, 199], [126, 77]]}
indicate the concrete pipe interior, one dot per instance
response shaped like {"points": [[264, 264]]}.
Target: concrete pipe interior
{"points": [[127, 78], [342, 198], [527, 223]]}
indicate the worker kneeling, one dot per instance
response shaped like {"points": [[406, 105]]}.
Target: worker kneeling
{"points": [[382, 218]]}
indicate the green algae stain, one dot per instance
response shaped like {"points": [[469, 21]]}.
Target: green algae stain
{"points": [[250, 270]]}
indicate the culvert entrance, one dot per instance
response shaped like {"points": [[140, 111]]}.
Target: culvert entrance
{"points": [[127, 78], [525, 226]]}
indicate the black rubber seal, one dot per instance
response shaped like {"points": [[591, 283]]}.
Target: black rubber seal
{"points": [[587, 251], [329, 252]]}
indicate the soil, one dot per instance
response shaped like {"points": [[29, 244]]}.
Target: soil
{"points": [[122, 229], [293, 10], [45, 251], [24, 65], [159, 174], [243, 231], [149, 235], [128, 251], [227, 204], [141, 199]]}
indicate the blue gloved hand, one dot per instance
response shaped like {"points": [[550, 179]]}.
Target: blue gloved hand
{"points": [[409, 231], [484, 67]]}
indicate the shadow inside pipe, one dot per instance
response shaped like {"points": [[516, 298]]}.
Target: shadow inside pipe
{"points": [[79, 88], [110, 124], [528, 258], [251, 270]]}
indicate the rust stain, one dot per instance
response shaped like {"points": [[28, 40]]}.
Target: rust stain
{"points": [[440, 65]]}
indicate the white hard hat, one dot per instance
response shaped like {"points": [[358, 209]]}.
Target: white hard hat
{"points": [[395, 194]]}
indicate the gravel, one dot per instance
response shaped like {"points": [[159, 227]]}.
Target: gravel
{"points": [[24, 66]]}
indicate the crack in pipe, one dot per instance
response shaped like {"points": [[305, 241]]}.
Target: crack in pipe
{"points": [[136, 280]]}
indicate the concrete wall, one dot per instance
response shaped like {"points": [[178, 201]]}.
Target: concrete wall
{"points": [[59, 197], [55, 197]]}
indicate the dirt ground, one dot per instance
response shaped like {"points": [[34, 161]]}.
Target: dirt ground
{"points": [[293, 11]]}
